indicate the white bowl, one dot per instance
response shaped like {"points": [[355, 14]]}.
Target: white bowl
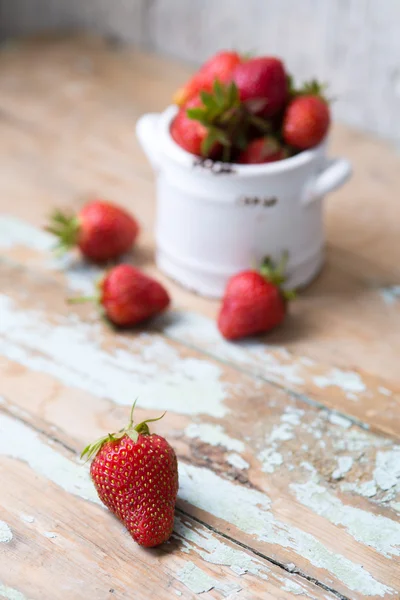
{"points": [[216, 219]]}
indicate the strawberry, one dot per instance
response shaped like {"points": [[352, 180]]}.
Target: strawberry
{"points": [[101, 230], [306, 121], [253, 302], [128, 296], [220, 66], [262, 150], [187, 133], [262, 84], [135, 474]]}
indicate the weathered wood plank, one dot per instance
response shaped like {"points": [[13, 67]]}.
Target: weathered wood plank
{"points": [[306, 479], [359, 395], [55, 525]]}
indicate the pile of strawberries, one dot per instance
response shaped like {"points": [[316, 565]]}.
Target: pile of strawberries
{"points": [[248, 111]]}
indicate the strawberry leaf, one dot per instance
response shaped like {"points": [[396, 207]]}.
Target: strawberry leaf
{"points": [[197, 114], [208, 143], [133, 434], [233, 94], [219, 94], [226, 119], [207, 99]]}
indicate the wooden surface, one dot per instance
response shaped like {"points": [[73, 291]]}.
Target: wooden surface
{"points": [[288, 446]]}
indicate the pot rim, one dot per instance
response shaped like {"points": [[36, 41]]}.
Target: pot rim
{"points": [[178, 155]]}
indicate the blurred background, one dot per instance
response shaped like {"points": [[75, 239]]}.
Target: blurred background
{"points": [[353, 44]]}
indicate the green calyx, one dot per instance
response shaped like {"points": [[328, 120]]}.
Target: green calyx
{"points": [[66, 229], [226, 119], [309, 88], [275, 274], [133, 431]]}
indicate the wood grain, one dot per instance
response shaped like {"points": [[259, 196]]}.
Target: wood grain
{"points": [[296, 473], [76, 549]]}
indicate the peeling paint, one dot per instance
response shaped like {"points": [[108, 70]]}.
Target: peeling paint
{"points": [[216, 552], [390, 294], [292, 415], [146, 366], [270, 459], [14, 232], [348, 381], [200, 331], [336, 419], [237, 461], [195, 579], [50, 534], [344, 465], [250, 511], [5, 533], [22, 443], [385, 391], [387, 471], [367, 489], [10, 593], [282, 432], [376, 531], [294, 588], [199, 582], [214, 435], [27, 518]]}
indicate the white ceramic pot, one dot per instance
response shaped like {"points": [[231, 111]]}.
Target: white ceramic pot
{"points": [[216, 219]]}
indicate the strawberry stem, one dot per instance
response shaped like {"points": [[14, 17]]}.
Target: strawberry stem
{"points": [[66, 229], [82, 299], [131, 415], [276, 274], [133, 432]]}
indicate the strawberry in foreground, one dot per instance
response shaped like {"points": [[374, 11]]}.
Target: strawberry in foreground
{"points": [[254, 302], [220, 66], [135, 474], [262, 84], [101, 230], [306, 121], [128, 296], [262, 150]]}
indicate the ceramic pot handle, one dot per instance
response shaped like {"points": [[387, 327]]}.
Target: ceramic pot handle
{"points": [[334, 175], [146, 131]]}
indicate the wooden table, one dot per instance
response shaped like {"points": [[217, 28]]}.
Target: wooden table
{"points": [[287, 446]]}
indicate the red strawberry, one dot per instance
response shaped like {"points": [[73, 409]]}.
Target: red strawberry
{"points": [[220, 66], [188, 133], [135, 474], [306, 121], [262, 84], [262, 150], [253, 302], [101, 230], [129, 296]]}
